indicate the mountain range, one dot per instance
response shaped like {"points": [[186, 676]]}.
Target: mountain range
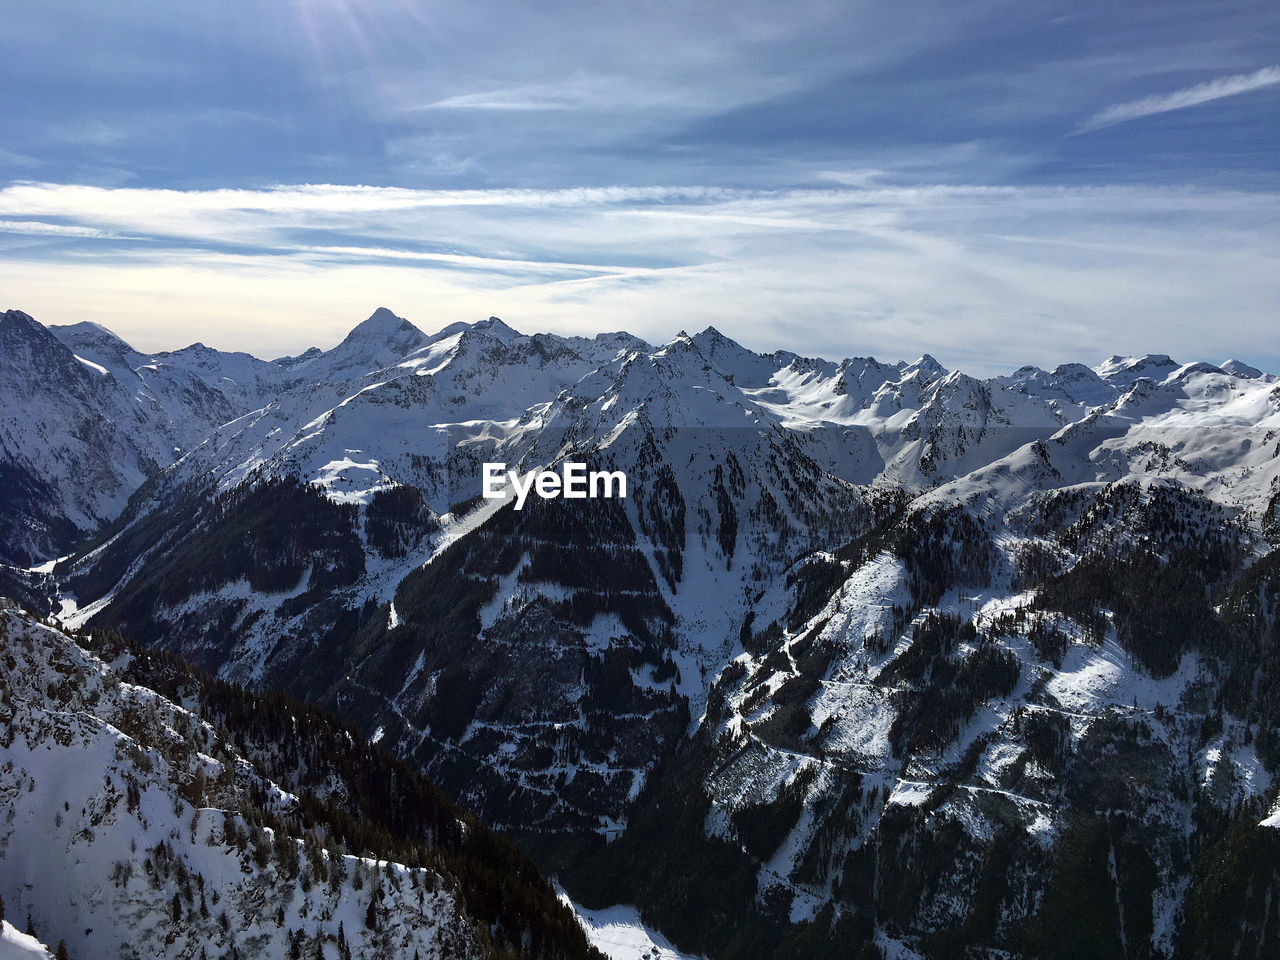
{"points": [[875, 658]]}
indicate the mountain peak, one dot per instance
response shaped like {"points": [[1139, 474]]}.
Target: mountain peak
{"points": [[383, 330], [926, 367], [381, 325], [1124, 369], [712, 341], [1074, 371], [1238, 368], [292, 361], [18, 328], [378, 342], [86, 331], [681, 343], [16, 320], [494, 327]]}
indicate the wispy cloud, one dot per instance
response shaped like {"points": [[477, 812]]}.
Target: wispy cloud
{"points": [[80, 200], [13, 159], [985, 277], [39, 228], [581, 91], [1181, 99]]}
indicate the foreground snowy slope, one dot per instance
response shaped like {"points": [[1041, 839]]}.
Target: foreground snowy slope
{"points": [[132, 827], [16, 945]]}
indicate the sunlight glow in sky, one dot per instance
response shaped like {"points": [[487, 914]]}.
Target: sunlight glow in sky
{"points": [[995, 183]]}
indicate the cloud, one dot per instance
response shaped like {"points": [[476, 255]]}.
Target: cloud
{"points": [[17, 159], [40, 229], [1180, 99], [578, 92], [91, 133], [984, 277], [55, 199]]}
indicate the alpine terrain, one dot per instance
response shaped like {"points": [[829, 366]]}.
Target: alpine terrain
{"points": [[873, 658]]}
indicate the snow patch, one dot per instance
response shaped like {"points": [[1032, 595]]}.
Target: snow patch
{"points": [[16, 945], [91, 365], [620, 934]]}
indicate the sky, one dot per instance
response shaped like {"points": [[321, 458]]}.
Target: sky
{"points": [[991, 182]]}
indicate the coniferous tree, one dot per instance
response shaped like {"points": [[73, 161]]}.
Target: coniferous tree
{"points": [[61, 952]]}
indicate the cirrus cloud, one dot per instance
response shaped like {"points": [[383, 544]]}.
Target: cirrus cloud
{"points": [[985, 277], [1192, 96]]}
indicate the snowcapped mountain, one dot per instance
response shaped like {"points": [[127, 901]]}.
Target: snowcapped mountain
{"points": [[872, 657], [75, 442]]}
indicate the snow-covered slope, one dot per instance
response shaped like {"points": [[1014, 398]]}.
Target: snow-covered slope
{"points": [[132, 827], [390, 405], [854, 619], [109, 841], [75, 442], [16, 945]]}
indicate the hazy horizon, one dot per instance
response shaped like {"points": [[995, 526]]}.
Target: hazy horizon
{"points": [[996, 184], [430, 331]]}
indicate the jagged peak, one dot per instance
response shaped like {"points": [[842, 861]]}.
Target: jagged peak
{"points": [[18, 320], [620, 337], [87, 328], [925, 367], [1117, 367], [711, 338], [1074, 371], [289, 361], [954, 383], [381, 325], [711, 341], [17, 326], [681, 352], [1238, 368], [680, 343], [492, 327], [865, 363]]}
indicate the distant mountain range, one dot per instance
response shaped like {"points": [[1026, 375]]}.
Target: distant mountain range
{"points": [[875, 658]]}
